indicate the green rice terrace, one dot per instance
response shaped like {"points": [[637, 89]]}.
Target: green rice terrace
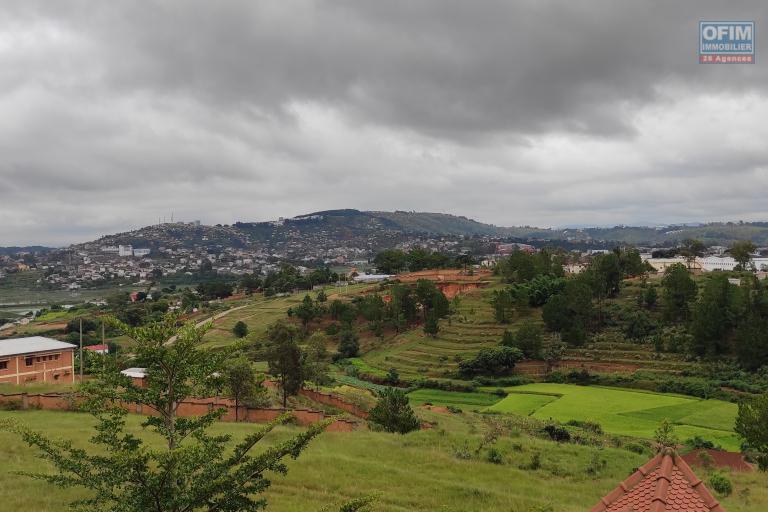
{"points": [[618, 411]]}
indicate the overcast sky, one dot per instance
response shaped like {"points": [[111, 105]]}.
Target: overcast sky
{"points": [[116, 113]]}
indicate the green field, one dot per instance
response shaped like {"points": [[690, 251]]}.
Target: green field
{"points": [[454, 398], [417, 472], [626, 412]]}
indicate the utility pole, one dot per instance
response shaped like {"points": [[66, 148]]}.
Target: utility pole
{"points": [[81, 351]]}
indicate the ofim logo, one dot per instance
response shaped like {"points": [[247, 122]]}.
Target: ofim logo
{"points": [[726, 42]]}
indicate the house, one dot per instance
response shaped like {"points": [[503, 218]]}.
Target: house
{"points": [[36, 359], [97, 349], [138, 376], [664, 483]]}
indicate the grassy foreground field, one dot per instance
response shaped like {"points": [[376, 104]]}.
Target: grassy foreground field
{"points": [[626, 412], [434, 470]]}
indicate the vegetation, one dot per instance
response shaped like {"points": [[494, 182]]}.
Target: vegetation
{"points": [[191, 471], [393, 413]]}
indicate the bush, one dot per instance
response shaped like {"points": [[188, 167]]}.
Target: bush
{"points": [[12, 405], [393, 412], [698, 442], [491, 361], [332, 329], [557, 433], [453, 409], [635, 448], [494, 456], [720, 484], [240, 329], [592, 426], [534, 464]]}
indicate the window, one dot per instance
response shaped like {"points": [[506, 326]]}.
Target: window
{"points": [[28, 361], [3, 365]]}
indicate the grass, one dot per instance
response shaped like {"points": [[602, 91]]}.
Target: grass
{"points": [[416, 472], [260, 312], [415, 355], [626, 412], [439, 397]]}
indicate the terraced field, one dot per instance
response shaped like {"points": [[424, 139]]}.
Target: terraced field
{"points": [[415, 354], [623, 411]]}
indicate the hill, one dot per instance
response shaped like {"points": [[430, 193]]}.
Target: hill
{"points": [[371, 231]]}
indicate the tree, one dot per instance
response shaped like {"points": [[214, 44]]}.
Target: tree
{"points": [[393, 412], [502, 306], [243, 385], [679, 291], [665, 436], [528, 340], [284, 359], [742, 252], [715, 316], [692, 249], [316, 359], [321, 296], [191, 470], [431, 327], [650, 297], [306, 312], [250, 283], [491, 361], [390, 261], [752, 426], [349, 344], [240, 329], [553, 354], [639, 325]]}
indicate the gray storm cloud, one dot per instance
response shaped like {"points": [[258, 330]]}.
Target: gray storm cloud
{"points": [[113, 114]]}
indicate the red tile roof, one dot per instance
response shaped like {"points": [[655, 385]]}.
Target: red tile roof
{"points": [[664, 483]]}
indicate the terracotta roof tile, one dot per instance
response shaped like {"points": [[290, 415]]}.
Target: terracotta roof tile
{"points": [[664, 483]]}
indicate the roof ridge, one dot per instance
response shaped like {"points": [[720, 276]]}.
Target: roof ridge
{"points": [[658, 473]]}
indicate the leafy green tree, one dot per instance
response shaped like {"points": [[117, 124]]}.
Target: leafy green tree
{"points": [[243, 385], [499, 360], [284, 359], [501, 301], [191, 470], [349, 343], [393, 412], [715, 316], [306, 312], [639, 325], [240, 329], [752, 426], [431, 327], [214, 290], [741, 251], [316, 359], [553, 354], [679, 292], [250, 284], [529, 340], [650, 297], [390, 261], [321, 296], [508, 338]]}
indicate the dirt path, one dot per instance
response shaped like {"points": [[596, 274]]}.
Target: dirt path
{"points": [[212, 319]]}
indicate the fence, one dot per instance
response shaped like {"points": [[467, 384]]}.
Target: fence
{"points": [[192, 407]]}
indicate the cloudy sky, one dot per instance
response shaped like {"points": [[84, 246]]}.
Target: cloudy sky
{"points": [[116, 113]]}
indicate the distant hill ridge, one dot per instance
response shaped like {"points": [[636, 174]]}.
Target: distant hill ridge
{"points": [[379, 229]]}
